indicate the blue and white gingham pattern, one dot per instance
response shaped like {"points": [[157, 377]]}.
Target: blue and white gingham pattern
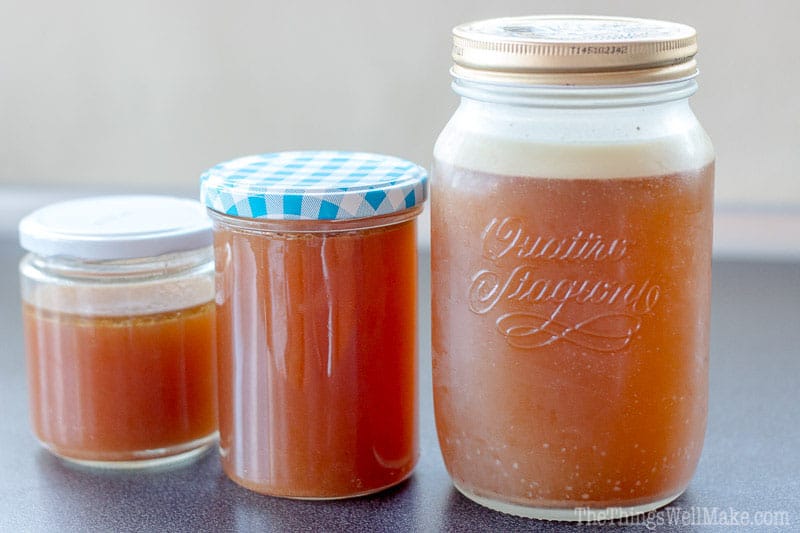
{"points": [[313, 185]]}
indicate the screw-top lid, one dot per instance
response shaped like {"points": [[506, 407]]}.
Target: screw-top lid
{"points": [[116, 227], [574, 50], [313, 185]]}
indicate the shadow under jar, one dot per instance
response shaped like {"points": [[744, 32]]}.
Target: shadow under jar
{"points": [[571, 260], [118, 314], [316, 313]]}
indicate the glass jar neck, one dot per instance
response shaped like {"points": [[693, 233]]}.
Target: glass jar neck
{"points": [[575, 97], [160, 266], [261, 225]]}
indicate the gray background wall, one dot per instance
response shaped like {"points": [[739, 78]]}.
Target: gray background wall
{"points": [[144, 95]]}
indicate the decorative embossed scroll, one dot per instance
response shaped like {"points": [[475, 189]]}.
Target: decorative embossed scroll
{"points": [[532, 310]]}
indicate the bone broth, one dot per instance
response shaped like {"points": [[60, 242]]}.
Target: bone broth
{"points": [[128, 383], [571, 217], [331, 377], [578, 370], [118, 311], [316, 314]]}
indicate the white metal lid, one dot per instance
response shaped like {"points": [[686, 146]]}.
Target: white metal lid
{"points": [[116, 227]]}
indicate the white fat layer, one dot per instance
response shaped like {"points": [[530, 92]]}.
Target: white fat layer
{"points": [[152, 297], [573, 146]]}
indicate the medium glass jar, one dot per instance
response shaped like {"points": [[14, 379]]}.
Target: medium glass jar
{"points": [[571, 261], [317, 315], [118, 313]]}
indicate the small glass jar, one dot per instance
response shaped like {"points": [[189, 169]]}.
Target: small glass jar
{"points": [[118, 310], [317, 320], [571, 259]]}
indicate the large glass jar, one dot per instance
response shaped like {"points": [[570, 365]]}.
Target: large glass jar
{"points": [[571, 261], [118, 309], [317, 320]]}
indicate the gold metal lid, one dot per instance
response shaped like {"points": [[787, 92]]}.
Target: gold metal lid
{"points": [[574, 50]]}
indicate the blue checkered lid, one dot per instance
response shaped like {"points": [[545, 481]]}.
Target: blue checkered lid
{"points": [[313, 185]]}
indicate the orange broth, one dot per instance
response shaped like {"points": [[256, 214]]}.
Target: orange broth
{"points": [[317, 359], [121, 388], [570, 335]]}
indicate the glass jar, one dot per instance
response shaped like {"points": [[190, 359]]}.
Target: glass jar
{"points": [[571, 261], [317, 316], [118, 311]]}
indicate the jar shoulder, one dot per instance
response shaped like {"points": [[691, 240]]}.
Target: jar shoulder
{"points": [[95, 293]]}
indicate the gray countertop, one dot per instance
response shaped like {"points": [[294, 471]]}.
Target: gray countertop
{"points": [[748, 471]]}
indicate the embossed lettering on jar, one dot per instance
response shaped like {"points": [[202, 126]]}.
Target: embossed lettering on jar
{"points": [[571, 240]]}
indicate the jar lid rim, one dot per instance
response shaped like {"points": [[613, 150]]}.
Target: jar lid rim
{"points": [[574, 50], [116, 227]]}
